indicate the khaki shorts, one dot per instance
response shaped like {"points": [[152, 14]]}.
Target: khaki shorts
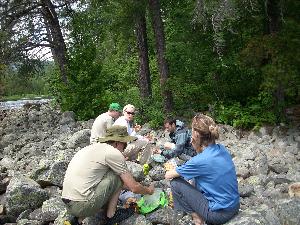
{"points": [[103, 192]]}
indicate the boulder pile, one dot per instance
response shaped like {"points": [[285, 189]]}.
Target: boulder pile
{"points": [[37, 143]]}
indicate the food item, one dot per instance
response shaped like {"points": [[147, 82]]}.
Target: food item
{"points": [[170, 165]]}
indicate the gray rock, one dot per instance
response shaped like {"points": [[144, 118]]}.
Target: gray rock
{"points": [[7, 163], [50, 173], [265, 162], [162, 215], [157, 173], [242, 168], [24, 215], [50, 210], [22, 194], [136, 170], [259, 165], [79, 139], [245, 190], [63, 216], [288, 211], [186, 220], [29, 222], [67, 117], [136, 219], [257, 216]]}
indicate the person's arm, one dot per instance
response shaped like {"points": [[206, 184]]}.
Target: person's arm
{"points": [[178, 149], [171, 174], [134, 186]]}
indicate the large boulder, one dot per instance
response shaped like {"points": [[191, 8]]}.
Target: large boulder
{"points": [[23, 193], [136, 170], [50, 173], [256, 216], [49, 211], [79, 139], [288, 211]]}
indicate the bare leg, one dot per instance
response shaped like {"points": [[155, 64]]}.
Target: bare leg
{"points": [[197, 219], [112, 204]]}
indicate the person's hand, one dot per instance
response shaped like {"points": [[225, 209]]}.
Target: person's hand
{"points": [[171, 174], [169, 145], [151, 189]]}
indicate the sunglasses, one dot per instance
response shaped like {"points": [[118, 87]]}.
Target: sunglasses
{"points": [[130, 113]]}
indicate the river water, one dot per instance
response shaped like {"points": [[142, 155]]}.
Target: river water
{"points": [[20, 103]]}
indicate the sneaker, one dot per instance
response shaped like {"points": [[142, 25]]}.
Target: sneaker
{"points": [[120, 215]]}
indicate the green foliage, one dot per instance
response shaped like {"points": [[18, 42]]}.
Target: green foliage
{"points": [[277, 59], [23, 79], [255, 113], [99, 69], [148, 111], [218, 55]]}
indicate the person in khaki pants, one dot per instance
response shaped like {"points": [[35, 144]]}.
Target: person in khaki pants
{"points": [[133, 148], [96, 175]]}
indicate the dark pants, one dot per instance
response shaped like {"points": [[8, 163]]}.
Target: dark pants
{"points": [[188, 199]]}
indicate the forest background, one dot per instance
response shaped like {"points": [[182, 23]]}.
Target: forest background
{"points": [[238, 60]]}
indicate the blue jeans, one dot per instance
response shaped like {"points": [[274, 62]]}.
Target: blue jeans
{"points": [[189, 199]]}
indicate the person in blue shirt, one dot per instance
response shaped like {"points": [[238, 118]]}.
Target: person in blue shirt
{"points": [[213, 197], [180, 140]]}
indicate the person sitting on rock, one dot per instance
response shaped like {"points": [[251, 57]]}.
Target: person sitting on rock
{"points": [[214, 197], [127, 120], [96, 175], [180, 140], [104, 121]]}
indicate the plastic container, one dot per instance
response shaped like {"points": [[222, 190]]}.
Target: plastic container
{"points": [[148, 203]]}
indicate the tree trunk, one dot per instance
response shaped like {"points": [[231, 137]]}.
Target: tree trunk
{"points": [[157, 24], [272, 8], [142, 45], [58, 48], [273, 22]]}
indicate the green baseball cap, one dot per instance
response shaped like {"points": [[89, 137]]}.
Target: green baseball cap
{"points": [[117, 133], [115, 107]]}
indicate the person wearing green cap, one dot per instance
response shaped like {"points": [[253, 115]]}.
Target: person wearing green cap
{"points": [[104, 121], [96, 175]]}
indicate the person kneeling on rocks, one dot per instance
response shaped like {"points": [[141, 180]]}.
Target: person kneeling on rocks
{"points": [[97, 174], [214, 197]]}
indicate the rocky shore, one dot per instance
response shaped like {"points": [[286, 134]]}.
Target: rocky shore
{"points": [[37, 142]]}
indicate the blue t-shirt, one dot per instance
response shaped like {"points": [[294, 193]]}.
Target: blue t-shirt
{"points": [[214, 174]]}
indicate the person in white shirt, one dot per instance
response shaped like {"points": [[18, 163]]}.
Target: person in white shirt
{"points": [[127, 120], [104, 121]]}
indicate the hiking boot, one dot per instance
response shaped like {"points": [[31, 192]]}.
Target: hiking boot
{"points": [[120, 215]]}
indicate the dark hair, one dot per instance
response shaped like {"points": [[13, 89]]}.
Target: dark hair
{"points": [[170, 120]]}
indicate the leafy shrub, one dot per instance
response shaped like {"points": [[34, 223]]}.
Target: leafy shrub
{"points": [[254, 114]]}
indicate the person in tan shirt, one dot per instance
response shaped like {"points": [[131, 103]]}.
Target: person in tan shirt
{"points": [[104, 121], [97, 174]]}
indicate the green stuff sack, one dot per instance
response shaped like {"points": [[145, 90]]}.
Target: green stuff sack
{"points": [[149, 203]]}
